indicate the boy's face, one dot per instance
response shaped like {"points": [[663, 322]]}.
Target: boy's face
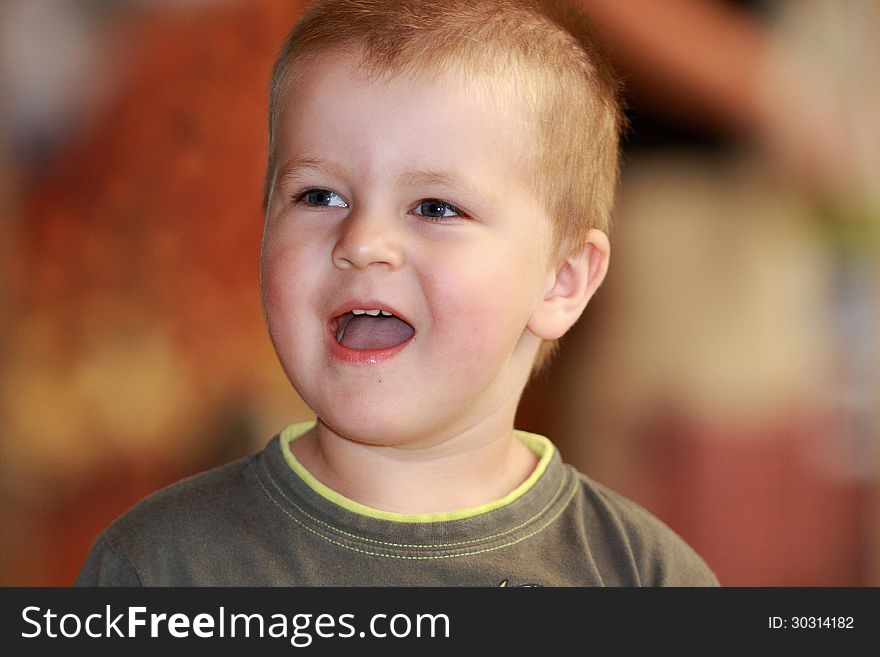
{"points": [[410, 196]]}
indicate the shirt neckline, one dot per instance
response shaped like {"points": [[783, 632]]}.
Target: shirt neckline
{"points": [[539, 445]]}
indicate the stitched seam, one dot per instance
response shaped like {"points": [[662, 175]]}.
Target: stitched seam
{"points": [[549, 522], [364, 539], [122, 554]]}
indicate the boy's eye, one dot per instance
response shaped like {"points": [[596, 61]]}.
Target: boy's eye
{"points": [[323, 197], [436, 209]]}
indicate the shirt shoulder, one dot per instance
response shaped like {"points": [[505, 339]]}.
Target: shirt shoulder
{"points": [[632, 545], [162, 528]]}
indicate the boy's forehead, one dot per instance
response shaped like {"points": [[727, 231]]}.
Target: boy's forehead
{"points": [[337, 95], [445, 81]]}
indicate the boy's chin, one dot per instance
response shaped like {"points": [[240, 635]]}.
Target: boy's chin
{"points": [[379, 429]]}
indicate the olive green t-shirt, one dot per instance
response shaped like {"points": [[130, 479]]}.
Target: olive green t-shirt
{"points": [[265, 521]]}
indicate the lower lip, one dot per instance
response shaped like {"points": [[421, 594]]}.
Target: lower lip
{"points": [[362, 356]]}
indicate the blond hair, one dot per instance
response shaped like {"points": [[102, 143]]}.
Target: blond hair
{"points": [[539, 50]]}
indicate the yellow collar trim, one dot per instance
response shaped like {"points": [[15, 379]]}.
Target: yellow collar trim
{"points": [[540, 445]]}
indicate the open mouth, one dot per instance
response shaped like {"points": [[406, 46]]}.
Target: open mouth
{"points": [[371, 330]]}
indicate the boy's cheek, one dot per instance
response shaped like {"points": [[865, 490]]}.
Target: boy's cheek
{"points": [[282, 283], [483, 327], [281, 258]]}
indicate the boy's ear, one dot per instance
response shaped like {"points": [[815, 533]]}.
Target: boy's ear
{"points": [[571, 286]]}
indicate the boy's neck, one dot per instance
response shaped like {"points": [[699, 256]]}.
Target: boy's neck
{"points": [[478, 466]]}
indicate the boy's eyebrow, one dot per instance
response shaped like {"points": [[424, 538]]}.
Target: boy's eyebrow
{"points": [[296, 165], [445, 179]]}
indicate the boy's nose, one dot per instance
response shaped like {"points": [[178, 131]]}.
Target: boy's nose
{"points": [[366, 239]]}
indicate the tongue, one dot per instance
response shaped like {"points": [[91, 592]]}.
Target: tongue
{"points": [[368, 332]]}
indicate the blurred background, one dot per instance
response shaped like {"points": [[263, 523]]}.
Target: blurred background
{"points": [[726, 376]]}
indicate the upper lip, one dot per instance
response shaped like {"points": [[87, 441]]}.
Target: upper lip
{"points": [[370, 304]]}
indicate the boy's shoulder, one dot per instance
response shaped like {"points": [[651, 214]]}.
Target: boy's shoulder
{"points": [[643, 542], [179, 519], [189, 499]]}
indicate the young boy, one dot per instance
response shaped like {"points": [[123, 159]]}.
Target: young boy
{"points": [[439, 186]]}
